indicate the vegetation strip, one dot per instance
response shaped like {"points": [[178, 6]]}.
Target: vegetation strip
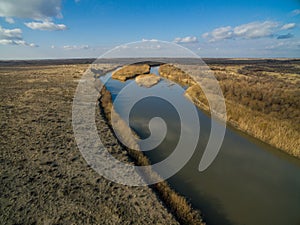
{"points": [[263, 102]]}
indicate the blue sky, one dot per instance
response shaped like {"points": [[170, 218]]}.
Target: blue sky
{"points": [[88, 28]]}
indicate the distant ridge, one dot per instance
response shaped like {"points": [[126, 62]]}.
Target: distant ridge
{"points": [[136, 60]]}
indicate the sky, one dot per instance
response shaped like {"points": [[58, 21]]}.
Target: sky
{"points": [[42, 29]]}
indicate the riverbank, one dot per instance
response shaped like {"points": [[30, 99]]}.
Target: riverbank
{"points": [[44, 178], [245, 168], [176, 203], [38, 150], [261, 100]]}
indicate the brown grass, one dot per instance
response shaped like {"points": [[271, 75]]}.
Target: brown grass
{"points": [[175, 74], [263, 102], [130, 71], [148, 80], [43, 175]]}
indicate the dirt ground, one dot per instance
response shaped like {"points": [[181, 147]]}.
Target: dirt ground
{"points": [[43, 177]]}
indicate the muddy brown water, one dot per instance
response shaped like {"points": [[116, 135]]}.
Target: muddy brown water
{"points": [[248, 183]]}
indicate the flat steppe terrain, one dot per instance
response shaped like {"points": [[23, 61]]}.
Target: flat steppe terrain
{"points": [[43, 177], [45, 180]]}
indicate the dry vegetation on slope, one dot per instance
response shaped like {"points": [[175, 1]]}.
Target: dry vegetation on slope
{"points": [[262, 100]]}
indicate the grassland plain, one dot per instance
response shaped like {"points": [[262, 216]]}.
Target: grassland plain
{"points": [[44, 178]]}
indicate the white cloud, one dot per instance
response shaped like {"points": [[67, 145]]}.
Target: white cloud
{"points": [[286, 45], [188, 39], [296, 12], [247, 31], [288, 26], [34, 9], [9, 20], [148, 47], [24, 43], [255, 29], [5, 42], [75, 47], [219, 34], [274, 46], [16, 42], [46, 25], [42, 11], [13, 37], [11, 34], [152, 40]]}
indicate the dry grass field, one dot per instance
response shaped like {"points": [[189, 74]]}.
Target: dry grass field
{"points": [[262, 99], [43, 176]]}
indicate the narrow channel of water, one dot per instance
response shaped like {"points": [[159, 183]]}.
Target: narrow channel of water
{"points": [[248, 183]]}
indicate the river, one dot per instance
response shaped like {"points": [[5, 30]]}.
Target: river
{"points": [[249, 182]]}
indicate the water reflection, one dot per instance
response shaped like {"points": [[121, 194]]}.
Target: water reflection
{"points": [[248, 183]]}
